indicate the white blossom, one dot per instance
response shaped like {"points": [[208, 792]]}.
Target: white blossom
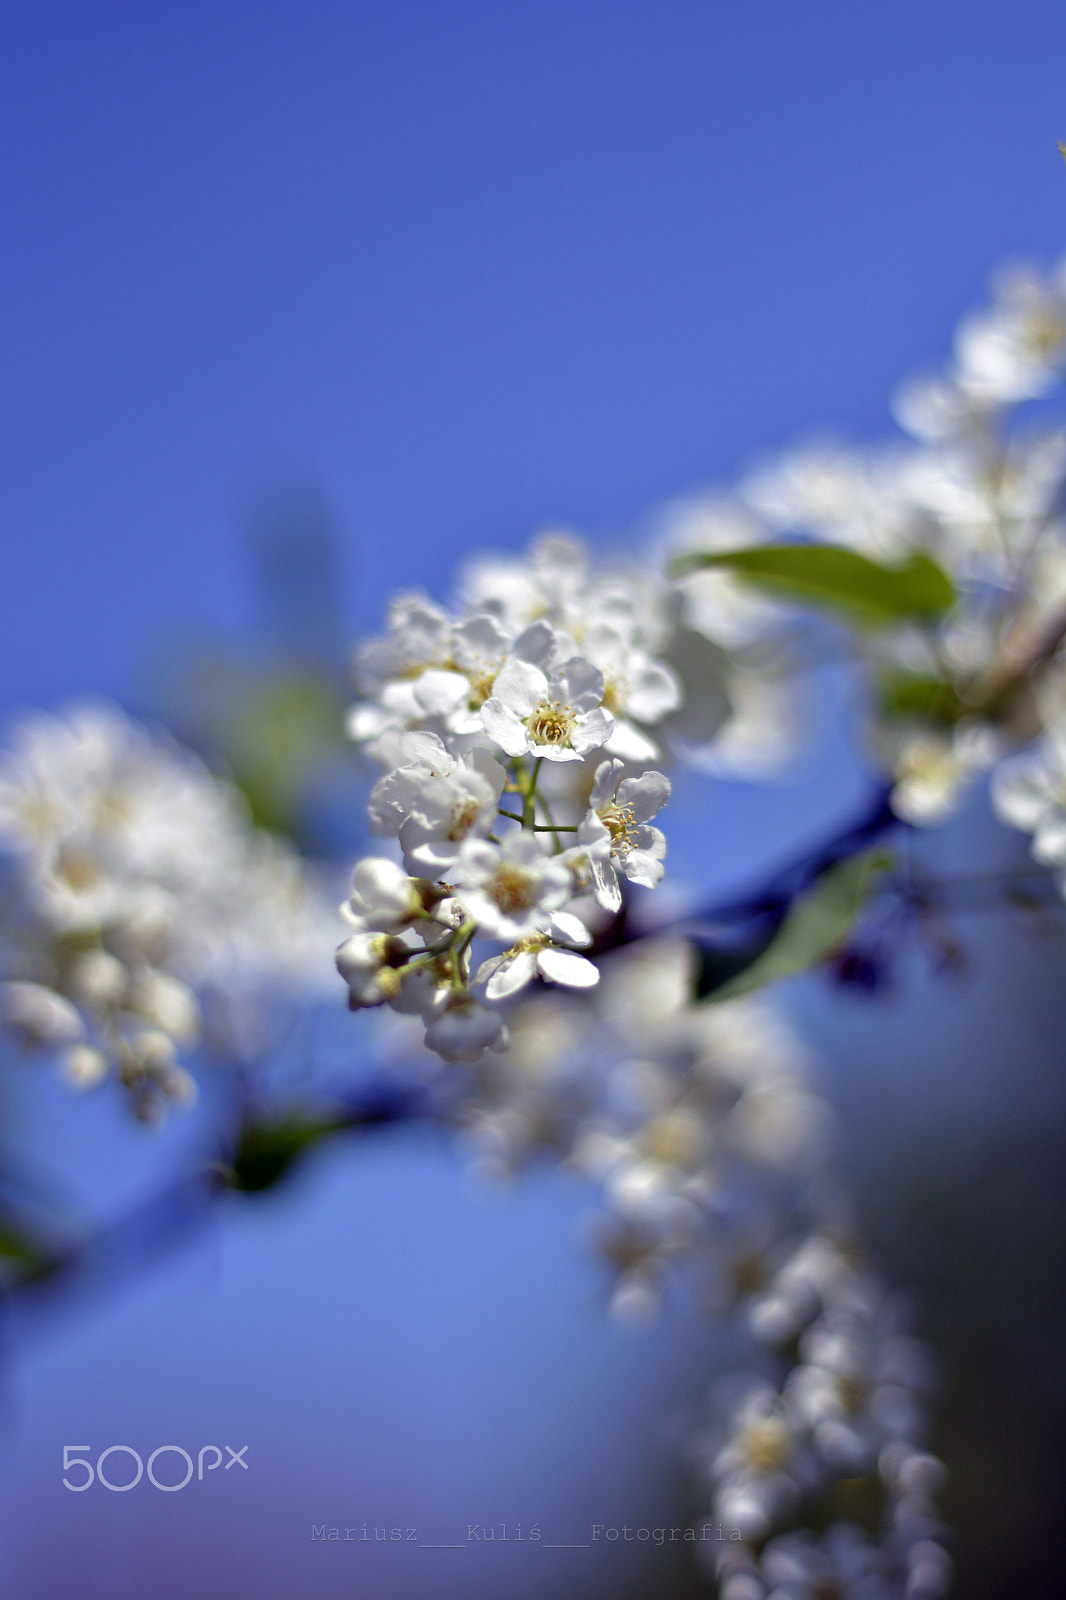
{"points": [[620, 810], [384, 898], [465, 1030], [559, 717], [448, 809], [507, 888], [366, 962], [138, 886], [1029, 792], [38, 1015], [541, 953]]}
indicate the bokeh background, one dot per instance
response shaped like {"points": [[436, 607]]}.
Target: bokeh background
{"points": [[388, 284]]}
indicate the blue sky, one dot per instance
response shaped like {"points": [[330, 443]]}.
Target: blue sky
{"points": [[464, 270], [467, 269]]}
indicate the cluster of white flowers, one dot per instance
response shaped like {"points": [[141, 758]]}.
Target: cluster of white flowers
{"points": [[691, 1119], [830, 1428], [978, 489], [134, 885], [514, 737], [709, 1147], [1029, 792]]}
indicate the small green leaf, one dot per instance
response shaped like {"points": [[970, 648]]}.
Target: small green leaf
{"points": [[921, 695], [1062, 149], [267, 1150], [815, 925], [716, 966], [18, 1252], [14, 1245], [869, 593]]}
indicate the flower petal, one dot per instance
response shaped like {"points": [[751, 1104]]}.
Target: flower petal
{"points": [[646, 794], [567, 967], [520, 686], [512, 974], [504, 727], [632, 745], [565, 925]]}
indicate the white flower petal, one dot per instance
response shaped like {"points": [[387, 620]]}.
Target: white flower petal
{"points": [[578, 684], [592, 730], [647, 794], [605, 782], [439, 692], [640, 867], [654, 691], [565, 925], [630, 744], [536, 644], [513, 974], [567, 967], [605, 884], [520, 686], [504, 727], [479, 639]]}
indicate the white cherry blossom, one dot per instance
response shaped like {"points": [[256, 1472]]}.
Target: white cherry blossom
{"points": [[620, 810], [447, 809], [559, 716], [541, 953], [383, 897], [1029, 792], [465, 1030], [507, 888]]}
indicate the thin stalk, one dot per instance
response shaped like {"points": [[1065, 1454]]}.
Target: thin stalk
{"points": [[529, 796]]}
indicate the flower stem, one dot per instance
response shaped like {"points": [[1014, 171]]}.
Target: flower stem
{"points": [[551, 828], [529, 796]]}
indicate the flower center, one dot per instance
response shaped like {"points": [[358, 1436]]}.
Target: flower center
{"points": [[672, 1139], [481, 686], [513, 890], [38, 816], [551, 723], [464, 815], [615, 697], [765, 1444], [112, 809], [1044, 334], [78, 870], [622, 827]]}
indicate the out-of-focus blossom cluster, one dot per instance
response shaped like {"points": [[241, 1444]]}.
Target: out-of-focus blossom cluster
{"points": [[826, 1430], [709, 1146], [697, 1122], [138, 900], [977, 487], [709, 1149], [522, 739]]}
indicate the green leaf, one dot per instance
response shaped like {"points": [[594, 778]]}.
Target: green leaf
{"points": [[815, 925], [15, 1246], [20, 1255], [1062, 149], [267, 1150], [869, 593], [918, 694], [718, 966]]}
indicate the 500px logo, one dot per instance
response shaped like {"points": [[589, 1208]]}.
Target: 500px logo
{"points": [[74, 1456]]}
